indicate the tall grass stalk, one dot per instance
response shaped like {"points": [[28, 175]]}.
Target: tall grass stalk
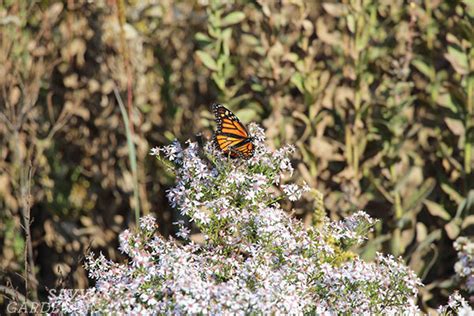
{"points": [[132, 155], [128, 123]]}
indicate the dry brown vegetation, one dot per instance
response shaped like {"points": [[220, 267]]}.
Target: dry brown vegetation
{"points": [[377, 96]]}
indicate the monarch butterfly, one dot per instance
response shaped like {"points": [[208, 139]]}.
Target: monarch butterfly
{"points": [[232, 136]]}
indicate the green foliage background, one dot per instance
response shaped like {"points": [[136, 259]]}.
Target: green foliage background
{"points": [[377, 96]]}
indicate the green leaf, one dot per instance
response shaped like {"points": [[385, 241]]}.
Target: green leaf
{"points": [[226, 34], [455, 126], [425, 69], [233, 18], [229, 71], [468, 221], [220, 82], [420, 195], [436, 209], [250, 39], [257, 87], [453, 194], [335, 9], [298, 80], [458, 60], [207, 60], [246, 115], [351, 23], [226, 37], [452, 228], [201, 37], [446, 100]]}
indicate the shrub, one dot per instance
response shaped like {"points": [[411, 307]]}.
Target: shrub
{"points": [[255, 258]]}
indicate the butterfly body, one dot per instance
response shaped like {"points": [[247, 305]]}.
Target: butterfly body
{"points": [[232, 137]]}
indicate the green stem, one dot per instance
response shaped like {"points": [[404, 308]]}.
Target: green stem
{"points": [[396, 247], [275, 200], [469, 123]]}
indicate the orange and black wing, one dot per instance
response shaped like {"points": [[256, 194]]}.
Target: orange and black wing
{"points": [[231, 136], [228, 123], [243, 149]]}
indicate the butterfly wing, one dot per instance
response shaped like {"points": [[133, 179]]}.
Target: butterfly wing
{"points": [[226, 142], [228, 123], [243, 149], [231, 137]]}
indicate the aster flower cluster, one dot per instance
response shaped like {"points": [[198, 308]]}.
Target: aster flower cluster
{"points": [[457, 305], [255, 258], [464, 267]]}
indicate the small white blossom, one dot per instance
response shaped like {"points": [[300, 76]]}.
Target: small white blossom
{"points": [[155, 151], [293, 191], [183, 232], [172, 152], [147, 223]]}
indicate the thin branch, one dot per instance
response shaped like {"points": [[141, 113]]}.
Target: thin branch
{"points": [[27, 220]]}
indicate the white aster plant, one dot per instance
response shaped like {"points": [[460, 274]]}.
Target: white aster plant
{"points": [[255, 258]]}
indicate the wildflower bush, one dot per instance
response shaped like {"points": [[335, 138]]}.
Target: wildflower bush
{"points": [[255, 258]]}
